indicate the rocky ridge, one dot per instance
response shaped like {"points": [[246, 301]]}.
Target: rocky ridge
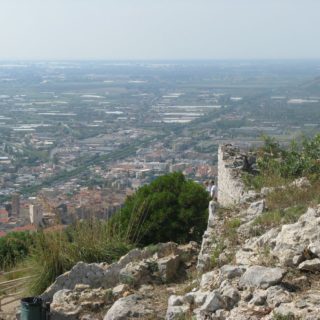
{"points": [[271, 276], [236, 275]]}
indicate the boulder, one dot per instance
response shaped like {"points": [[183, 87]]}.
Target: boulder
{"points": [[168, 267], [209, 279], [277, 295], [261, 277], [255, 209], [197, 298], [312, 265], [294, 238], [132, 306], [214, 302], [314, 248], [230, 295], [231, 272], [69, 304], [250, 253], [135, 274]]}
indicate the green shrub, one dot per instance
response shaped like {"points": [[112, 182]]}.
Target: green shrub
{"points": [[14, 247], [171, 208], [230, 229], [277, 164]]}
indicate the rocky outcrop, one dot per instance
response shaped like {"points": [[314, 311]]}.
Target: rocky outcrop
{"points": [[133, 306], [296, 242], [271, 276], [120, 290]]}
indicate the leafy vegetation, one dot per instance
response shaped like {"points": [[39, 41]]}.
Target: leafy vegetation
{"points": [[290, 316], [171, 208], [14, 247], [279, 165]]}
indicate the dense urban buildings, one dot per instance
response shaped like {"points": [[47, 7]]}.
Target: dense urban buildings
{"points": [[76, 138]]}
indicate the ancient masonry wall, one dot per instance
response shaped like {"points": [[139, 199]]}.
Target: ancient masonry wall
{"points": [[230, 186], [231, 191]]}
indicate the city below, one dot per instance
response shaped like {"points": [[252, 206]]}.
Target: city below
{"points": [[77, 138]]}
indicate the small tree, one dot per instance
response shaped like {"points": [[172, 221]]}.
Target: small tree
{"points": [[171, 208]]}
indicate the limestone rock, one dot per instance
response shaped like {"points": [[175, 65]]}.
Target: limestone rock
{"points": [[168, 267], [120, 289], [230, 295], [128, 307], [301, 183], [68, 304], [197, 298], [135, 274], [314, 248], [175, 301], [261, 277], [176, 312], [208, 279], [310, 265], [255, 209], [294, 238], [259, 298], [231, 272], [250, 253], [277, 295], [214, 302]]}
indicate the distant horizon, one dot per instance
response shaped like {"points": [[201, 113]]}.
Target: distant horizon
{"points": [[161, 60], [164, 30]]}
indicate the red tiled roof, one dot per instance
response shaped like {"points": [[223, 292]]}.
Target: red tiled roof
{"points": [[28, 227], [4, 220], [2, 234], [3, 212]]}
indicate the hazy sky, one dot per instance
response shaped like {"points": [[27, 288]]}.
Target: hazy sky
{"points": [[159, 29]]}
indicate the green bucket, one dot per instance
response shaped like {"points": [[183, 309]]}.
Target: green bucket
{"points": [[32, 309]]}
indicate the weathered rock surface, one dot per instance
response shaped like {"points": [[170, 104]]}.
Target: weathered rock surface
{"points": [[295, 238], [130, 307], [310, 265], [126, 287], [261, 277], [72, 304], [134, 268], [213, 302]]}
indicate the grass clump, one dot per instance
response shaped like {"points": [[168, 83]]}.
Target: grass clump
{"points": [[293, 196], [275, 218], [279, 165], [290, 316], [230, 229], [57, 252], [218, 248]]}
